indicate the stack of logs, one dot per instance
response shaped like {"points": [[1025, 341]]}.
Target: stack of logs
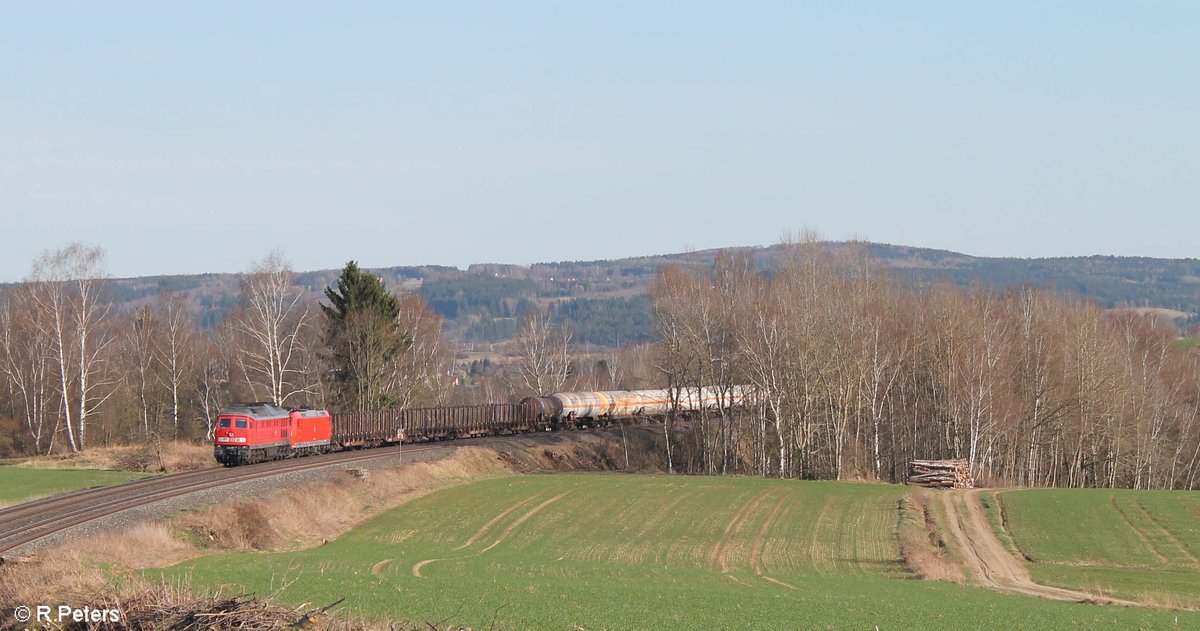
{"points": [[940, 474]]}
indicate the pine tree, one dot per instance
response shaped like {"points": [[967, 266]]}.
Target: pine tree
{"points": [[363, 339]]}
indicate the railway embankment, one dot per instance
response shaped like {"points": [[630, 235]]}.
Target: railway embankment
{"points": [[47, 521], [129, 528]]}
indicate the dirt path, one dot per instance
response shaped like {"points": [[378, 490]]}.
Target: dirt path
{"points": [[989, 562]]}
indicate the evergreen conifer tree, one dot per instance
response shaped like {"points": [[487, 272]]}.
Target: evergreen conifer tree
{"points": [[363, 338]]}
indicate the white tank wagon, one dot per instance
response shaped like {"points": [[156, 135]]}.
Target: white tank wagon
{"points": [[585, 408]]}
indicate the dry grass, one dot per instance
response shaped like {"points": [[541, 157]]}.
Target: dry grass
{"points": [[921, 545], [169, 457], [60, 575], [143, 605], [144, 545], [596, 452], [162, 607], [183, 456], [1163, 600], [307, 516], [88, 570]]}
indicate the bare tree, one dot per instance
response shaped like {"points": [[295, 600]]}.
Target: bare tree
{"points": [[543, 354], [675, 361], [71, 312], [272, 318], [857, 374], [25, 353], [175, 352], [423, 368], [766, 346], [138, 358], [213, 375], [888, 352]]}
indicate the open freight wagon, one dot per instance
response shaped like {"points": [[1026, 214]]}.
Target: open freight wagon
{"points": [[369, 429]]}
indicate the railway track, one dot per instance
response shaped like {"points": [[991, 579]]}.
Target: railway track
{"points": [[29, 522]]}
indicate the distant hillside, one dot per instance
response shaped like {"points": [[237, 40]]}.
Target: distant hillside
{"points": [[606, 302], [1113, 281]]}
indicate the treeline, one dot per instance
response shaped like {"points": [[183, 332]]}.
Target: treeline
{"points": [[1112, 281], [607, 321], [490, 309], [480, 295], [75, 372], [858, 374]]}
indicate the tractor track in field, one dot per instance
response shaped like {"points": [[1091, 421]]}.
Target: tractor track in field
{"points": [[989, 562], [522, 519], [416, 568], [484, 528], [26, 525], [733, 528], [757, 548]]}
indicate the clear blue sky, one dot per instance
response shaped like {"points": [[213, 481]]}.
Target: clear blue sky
{"points": [[195, 137]]}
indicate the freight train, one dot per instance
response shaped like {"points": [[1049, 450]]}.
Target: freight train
{"points": [[257, 432]]}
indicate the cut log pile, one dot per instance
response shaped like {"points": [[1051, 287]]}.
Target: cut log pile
{"points": [[940, 474]]}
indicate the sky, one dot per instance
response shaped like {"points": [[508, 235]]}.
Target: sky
{"points": [[196, 137]]}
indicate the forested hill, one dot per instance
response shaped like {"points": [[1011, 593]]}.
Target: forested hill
{"points": [[607, 303]]}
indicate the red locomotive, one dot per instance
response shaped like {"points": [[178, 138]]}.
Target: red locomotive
{"points": [[255, 432]]}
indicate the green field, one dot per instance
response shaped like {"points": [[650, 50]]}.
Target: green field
{"points": [[18, 484], [607, 551], [1190, 342], [1131, 544]]}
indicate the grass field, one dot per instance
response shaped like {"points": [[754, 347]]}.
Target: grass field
{"points": [[18, 484], [1132, 544], [1190, 342], [606, 551]]}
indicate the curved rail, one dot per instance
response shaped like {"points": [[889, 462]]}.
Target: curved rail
{"points": [[25, 523]]}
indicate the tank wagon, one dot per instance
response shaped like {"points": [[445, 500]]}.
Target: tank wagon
{"points": [[588, 409], [256, 432]]}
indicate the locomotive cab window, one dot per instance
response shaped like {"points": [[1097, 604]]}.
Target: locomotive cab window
{"points": [[223, 423], [241, 423]]}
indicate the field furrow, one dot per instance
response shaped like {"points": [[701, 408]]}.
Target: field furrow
{"points": [[637, 552]]}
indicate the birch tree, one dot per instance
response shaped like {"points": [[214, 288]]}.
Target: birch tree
{"points": [[543, 355], [72, 312], [423, 367], [175, 353], [272, 318], [139, 361], [25, 353]]}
